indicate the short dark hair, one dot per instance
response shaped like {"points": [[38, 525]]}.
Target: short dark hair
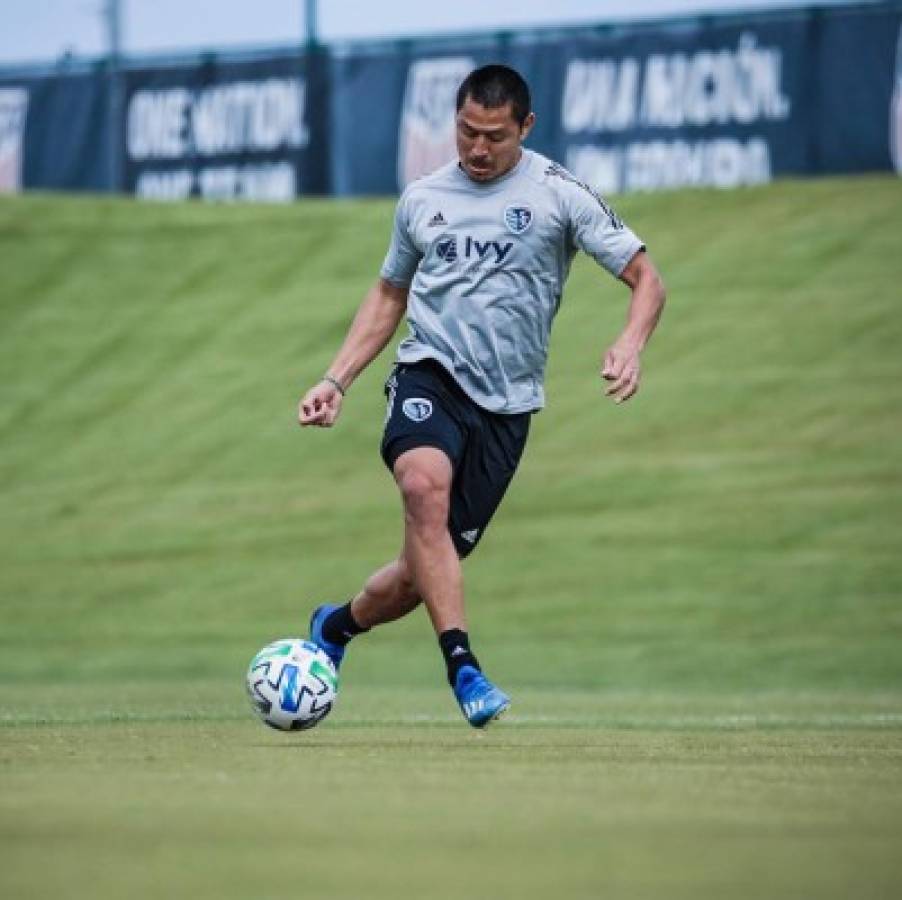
{"points": [[494, 86]]}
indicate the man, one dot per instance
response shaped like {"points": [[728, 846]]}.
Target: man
{"points": [[479, 254]]}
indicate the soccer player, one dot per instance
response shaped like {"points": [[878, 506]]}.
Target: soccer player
{"points": [[479, 254]]}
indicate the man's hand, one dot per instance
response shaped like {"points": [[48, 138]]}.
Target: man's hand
{"points": [[376, 321], [320, 405], [621, 368]]}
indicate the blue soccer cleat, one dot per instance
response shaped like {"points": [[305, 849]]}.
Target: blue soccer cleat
{"points": [[335, 652], [480, 701]]}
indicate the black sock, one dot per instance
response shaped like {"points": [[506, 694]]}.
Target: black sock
{"points": [[340, 626], [455, 646]]}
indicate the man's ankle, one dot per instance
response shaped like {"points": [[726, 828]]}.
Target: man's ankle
{"points": [[340, 626], [455, 645]]}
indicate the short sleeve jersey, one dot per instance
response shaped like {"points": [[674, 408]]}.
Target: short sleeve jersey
{"points": [[486, 265]]}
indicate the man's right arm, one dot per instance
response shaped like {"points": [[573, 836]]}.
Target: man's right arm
{"points": [[376, 321]]}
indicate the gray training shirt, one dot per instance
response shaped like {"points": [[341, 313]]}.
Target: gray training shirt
{"points": [[486, 266]]}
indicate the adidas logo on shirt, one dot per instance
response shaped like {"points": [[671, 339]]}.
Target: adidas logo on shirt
{"points": [[470, 536], [437, 219]]}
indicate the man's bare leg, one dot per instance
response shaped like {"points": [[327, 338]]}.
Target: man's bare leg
{"points": [[387, 595], [428, 567], [424, 476]]}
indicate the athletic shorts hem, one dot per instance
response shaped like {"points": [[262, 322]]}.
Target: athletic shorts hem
{"points": [[400, 445]]}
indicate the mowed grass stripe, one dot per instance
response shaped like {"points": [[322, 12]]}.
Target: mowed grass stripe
{"points": [[757, 722], [407, 708]]}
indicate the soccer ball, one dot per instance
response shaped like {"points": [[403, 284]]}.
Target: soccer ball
{"points": [[292, 684]]}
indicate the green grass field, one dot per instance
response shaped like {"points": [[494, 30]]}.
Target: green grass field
{"points": [[695, 599]]}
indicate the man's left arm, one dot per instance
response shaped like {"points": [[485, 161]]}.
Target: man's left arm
{"points": [[621, 365]]}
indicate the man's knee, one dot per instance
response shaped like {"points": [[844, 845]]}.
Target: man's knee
{"points": [[424, 479]]}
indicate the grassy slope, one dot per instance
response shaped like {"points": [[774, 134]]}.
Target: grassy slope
{"points": [[710, 573], [736, 526]]}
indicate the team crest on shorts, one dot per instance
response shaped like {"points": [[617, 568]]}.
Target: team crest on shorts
{"points": [[517, 218], [418, 409]]}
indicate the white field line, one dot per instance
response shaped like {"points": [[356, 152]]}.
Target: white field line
{"points": [[750, 720]]}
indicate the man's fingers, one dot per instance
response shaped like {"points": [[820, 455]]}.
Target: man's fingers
{"points": [[628, 392], [625, 386], [317, 412], [619, 383], [621, 369], [311, 411], [306, 412], [612, 366], [627, 389]]}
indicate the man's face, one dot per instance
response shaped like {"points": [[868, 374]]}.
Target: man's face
{"points": [[488, 140]]}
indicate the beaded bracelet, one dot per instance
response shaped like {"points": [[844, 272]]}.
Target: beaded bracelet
{"points": [[335, 383]]}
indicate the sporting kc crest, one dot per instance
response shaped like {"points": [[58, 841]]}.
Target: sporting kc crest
{"points": [[417, 409], [517, 218]]}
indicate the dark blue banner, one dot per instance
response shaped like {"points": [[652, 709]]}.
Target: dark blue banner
{"points": [[718, 101], [858, 117], [227, 131], [718, 104], [55, 133]]}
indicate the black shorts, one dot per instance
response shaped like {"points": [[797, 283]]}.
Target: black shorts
{"points": [[426, 408]]}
